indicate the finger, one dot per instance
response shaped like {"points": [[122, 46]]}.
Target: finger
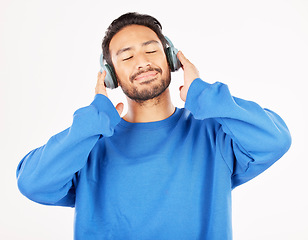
{"points": [[180, 88], [100, 85], [182, 58], [119, 108], [101, 76]]}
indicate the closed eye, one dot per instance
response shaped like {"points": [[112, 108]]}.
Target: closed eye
{"points": [[151, 52], [125, 59]]}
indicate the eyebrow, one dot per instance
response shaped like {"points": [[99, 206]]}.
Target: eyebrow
{"points": [[149, 42], [130, 48]]}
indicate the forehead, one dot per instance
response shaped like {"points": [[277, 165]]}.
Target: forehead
{"points": [[131, 36]]}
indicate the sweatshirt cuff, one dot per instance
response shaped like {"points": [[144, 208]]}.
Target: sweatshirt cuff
{"points": [[103, 104], [195, 90]]}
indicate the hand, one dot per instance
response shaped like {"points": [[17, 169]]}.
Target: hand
{"points": [[190, 74], [101, 89]]}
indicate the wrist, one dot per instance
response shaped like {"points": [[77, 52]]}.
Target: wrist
{"points": [[196, 88]]}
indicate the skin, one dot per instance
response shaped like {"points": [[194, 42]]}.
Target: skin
{"points": [[142, 69]]}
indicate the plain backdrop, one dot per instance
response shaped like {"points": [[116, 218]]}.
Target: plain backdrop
{"points": [[49, 60]]}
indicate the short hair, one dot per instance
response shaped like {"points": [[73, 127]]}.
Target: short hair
{"points": [[127, 19]]}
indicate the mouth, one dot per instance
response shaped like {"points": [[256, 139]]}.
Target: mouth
{"points": [[146, 76]]}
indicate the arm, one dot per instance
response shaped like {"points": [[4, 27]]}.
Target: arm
{"points": [[250, 139], [46, 174]]}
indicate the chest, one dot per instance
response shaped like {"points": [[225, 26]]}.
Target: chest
{"points": [[151, 179]]}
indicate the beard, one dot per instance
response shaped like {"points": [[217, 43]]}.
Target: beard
{"points": [[147, 90]]}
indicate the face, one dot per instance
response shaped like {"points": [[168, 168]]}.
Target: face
{"points": [[140, 63]]}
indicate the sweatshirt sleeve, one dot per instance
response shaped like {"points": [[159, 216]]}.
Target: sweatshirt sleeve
{"points": [[47, 174], [250, 138]]}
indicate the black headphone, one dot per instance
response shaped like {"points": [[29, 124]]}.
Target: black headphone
{"points": [[111, 79]]}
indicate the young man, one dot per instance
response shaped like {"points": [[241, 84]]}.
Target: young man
{"points": [[159, 172]]}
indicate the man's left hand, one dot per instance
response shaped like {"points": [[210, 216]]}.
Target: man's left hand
{"points": [[190, 74]]}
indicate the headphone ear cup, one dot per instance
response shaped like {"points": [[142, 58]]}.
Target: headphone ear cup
{"points": [[173, 60], [169, 59], [110, 79]]}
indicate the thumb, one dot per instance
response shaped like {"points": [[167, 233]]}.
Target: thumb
{"points": [[119, 108]]}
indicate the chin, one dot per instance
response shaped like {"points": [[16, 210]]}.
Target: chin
{"points": [[147, 90]]}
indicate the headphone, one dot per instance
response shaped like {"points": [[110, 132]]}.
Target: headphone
{"points": [[111, 79]]}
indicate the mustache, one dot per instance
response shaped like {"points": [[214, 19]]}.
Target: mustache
{"points": [[132, 77]]}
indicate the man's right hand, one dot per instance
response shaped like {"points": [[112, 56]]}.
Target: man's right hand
{"points": [[101, 89]]}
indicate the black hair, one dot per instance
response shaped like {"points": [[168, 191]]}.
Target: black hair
{"points": [[130, 19]]}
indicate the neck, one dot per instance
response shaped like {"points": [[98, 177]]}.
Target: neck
{"points": [[152, 110]]}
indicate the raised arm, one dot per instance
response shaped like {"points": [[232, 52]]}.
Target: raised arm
{"points": [[47, 174], [250, 138]]}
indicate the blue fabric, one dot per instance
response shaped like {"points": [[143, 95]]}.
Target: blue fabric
{"points": [[165, 180]]}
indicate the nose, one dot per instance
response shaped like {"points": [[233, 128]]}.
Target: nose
{"points": [[142, 62]]}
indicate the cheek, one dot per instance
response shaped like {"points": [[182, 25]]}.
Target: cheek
{"points": [[165, 63], [122, 76], [166, 69], [120, 71]]}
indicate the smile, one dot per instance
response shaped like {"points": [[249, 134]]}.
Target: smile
{"points": [[146, 76]]}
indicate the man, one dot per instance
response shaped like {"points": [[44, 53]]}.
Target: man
{"points": [[160, 172]]}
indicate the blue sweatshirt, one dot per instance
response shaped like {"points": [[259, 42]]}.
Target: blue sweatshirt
{"points": [[164, 180]]}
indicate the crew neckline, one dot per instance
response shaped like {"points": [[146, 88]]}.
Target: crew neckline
{"points": [[153, 125]]}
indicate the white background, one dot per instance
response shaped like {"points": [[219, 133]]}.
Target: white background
{"points": [[49, 59]]}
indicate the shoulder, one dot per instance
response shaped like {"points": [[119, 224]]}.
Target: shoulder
{"points": [[188, 119]]}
